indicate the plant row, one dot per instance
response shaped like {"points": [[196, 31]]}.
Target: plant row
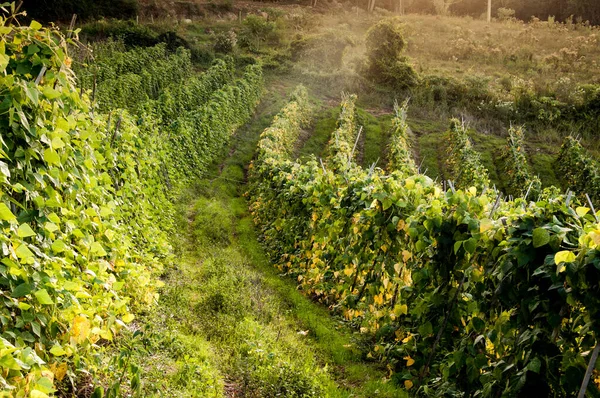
{"points": [[341, 145], [464, 163], [521, 182], [85, 210], [400, 154], [579, 170], [462, 295]]}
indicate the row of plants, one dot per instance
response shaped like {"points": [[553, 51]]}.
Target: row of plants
{"points": [[341, 146], [521, 183], [400, 154], [463, 162], [462, 294], [579, 170], [126, 79], [86, 212]]}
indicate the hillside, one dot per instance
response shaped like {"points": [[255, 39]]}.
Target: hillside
{"points": [[267, 199]]}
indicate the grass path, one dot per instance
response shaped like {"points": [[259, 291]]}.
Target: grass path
{"points": [[227, 323]]}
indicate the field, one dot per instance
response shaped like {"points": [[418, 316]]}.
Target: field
{"points": [[267, 199]]}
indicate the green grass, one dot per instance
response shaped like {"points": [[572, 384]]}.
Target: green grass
{"points": [[429, 146], [376, 131], [490, 147], [324, 125]]}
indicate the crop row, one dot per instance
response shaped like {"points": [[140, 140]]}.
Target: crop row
{"points": [[85, 207], [461, 293]]}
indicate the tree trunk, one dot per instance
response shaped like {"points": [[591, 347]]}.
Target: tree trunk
{"points": [[372, 5], [489, 11]]}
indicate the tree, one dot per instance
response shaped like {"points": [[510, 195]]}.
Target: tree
{"points": [[385, 63]]}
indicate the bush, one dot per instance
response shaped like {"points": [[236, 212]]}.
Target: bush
{"points": [[506, 14], [225, 42], [385, 64]]}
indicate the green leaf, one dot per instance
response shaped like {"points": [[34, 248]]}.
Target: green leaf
{"points": [[43, 297], [37, 394], [22, 290], [57, 351], [50, 93], [6, 214], [25, 231], [97, 249], [564, 256], [457, 246], [535, 365], [35, 25], [470, 245], [8, 362], [23, 252], [59, 246], [4, 169], [51, 156], [4, 60], [35, 327], [541, 237]]}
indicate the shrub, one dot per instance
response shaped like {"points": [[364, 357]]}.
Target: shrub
{"points": [[385, 64], [506, 14], [225, 42]]}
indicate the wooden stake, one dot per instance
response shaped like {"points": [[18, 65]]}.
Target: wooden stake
{"points": [[40, 75], [590, 369], [592, 206]]}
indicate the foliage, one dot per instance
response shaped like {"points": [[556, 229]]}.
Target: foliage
{"points": [[225, 42], [86, 211], [129, 79], [580, 172], [68, 195], [464, 163], [278, 140], [505, 14], [520, 180], [342, 141], [258, 29], [400, 155], [460, 293], [385, 64]]}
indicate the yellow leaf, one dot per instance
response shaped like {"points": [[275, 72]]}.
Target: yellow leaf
{"points": [[61, 371], [406, 255], [401, 225], [408, 384], [409, 361], [407, 339], [128, 318], [595, 235], [564, 256], [378, 299], [80, 329], [582, 211], [485, 225]]}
